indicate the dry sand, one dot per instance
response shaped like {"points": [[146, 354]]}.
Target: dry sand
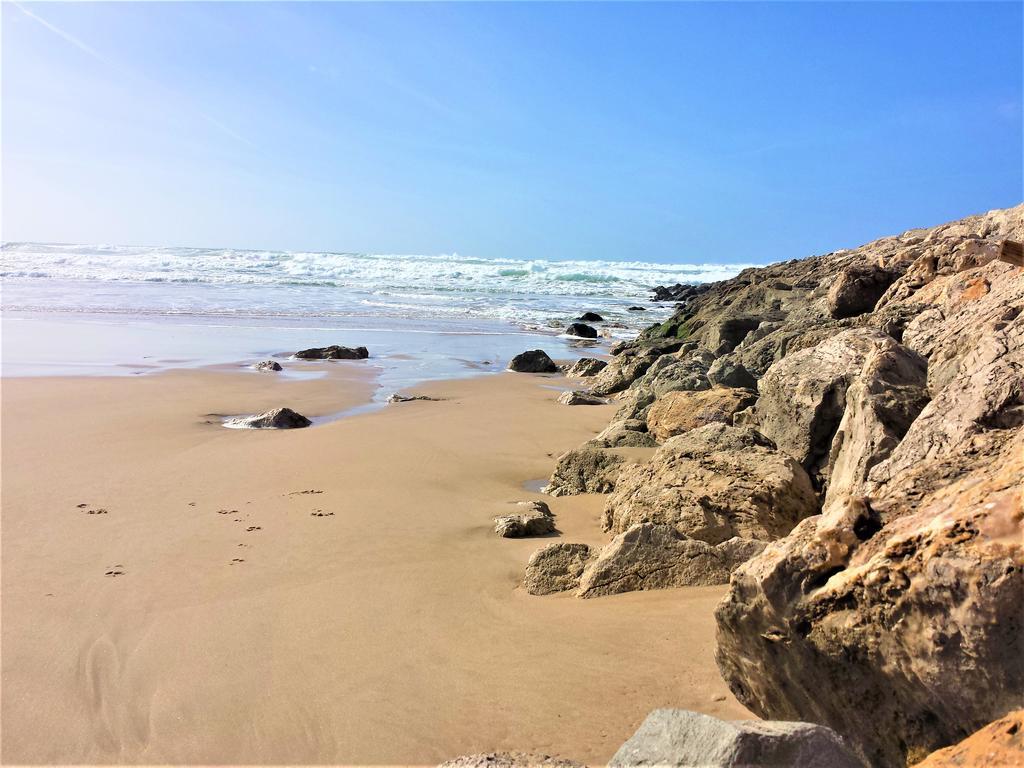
{"points": [[241, 628]]}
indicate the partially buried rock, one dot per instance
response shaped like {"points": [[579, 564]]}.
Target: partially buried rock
{"points": [[590, 317], [278, 418], [556, 568], [533, 361], [586, 366], [268, 365], [510, 760], [535, 520], [580, 398], [333, 352], [582, 330], [678, 737]]}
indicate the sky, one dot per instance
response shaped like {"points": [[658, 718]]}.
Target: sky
{"points": [[669, 132]]}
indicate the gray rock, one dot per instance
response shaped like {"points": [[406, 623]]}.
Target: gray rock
{"points": [[397, 398], [556, 568], [268, 365], [678, 737], [333, 352], [586, 366], [582, 330], [580, 398], [533, 361], [725, 372], [278, 418], [584, 470]]}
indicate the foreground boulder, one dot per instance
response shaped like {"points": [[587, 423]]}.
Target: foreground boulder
{"points": [[333, 352], [510, 760], [679, 412], [268, 365], [584, 470], [998, 744], [586, 366], [678, 737], [912, 626], [582, 330], [713, 483], [556, 568], [278, 418], [580, 398], [535, 519], [533, 361]]}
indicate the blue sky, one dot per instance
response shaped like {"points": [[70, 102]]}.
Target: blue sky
{"points": [[708, 132]]}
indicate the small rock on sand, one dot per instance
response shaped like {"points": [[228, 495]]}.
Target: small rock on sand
{"points": [[397, 398], [535, 520], [277, 418], [268, 365]]}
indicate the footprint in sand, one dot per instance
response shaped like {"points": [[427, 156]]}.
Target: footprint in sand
{"points": [[321, 513], [303, 493], [81, 506], [99, 511], [236, 560], [227, 511], [115, 570], [253, 528]]}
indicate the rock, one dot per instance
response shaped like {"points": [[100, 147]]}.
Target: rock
{"points": [[580, 398], [723, 336], [679, 292], [278, 418], [857, 288], [651, 556], [803, 396], [683, 371], [584, 470], [627, 433], [268, 365], [883, 401], [533, 361], [713, 483], [510, 760], [737, 550], [556, 568], [911, 622], [1000, 743], [397, 398], [724, 372], [582, 330], [333, 352], [679, 412], [636, 309], [678, 737], [536, 520], [630, 362], [590, 317], [586, 366]]}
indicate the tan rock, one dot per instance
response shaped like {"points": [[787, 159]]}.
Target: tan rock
{"points": [[679, 412], [556, 568]]}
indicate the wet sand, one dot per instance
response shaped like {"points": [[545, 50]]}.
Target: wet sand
{"points": [[333, 595]]}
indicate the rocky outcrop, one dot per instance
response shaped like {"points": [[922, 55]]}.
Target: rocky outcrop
{"points": [[678, 737], [582, 330], [586, 366], [857, 288], [556, 568], [679, 412], [533, 361], [713, 483], [1000, 743], [586, 469], [333, 352], [576, 397], [535, 519], [268, 365], [277, 418]]}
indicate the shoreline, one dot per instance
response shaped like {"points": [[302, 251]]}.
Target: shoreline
{"points": [[394, 630]]}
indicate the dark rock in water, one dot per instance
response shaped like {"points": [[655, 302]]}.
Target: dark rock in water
{"points": [[268, 365], [580, 398], [678, 737], [586, 366], [857, 289], [590, 317], [397, 398], [582, 330], [533, 361], [333, 352], [636, 309], [278, 418]]}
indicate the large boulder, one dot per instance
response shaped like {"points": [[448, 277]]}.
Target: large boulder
{"points": [[276, 418], [586, 469], [678, 737], [533, 361], [679, 412], [713, 483], [556, 568], [857, 288], [912, 623], [333, 352], [586, 366]]}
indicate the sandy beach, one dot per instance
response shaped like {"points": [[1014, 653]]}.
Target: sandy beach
{"points": [[177, 592]]}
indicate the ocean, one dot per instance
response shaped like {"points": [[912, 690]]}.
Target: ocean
{"points": [[115, 309]]}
